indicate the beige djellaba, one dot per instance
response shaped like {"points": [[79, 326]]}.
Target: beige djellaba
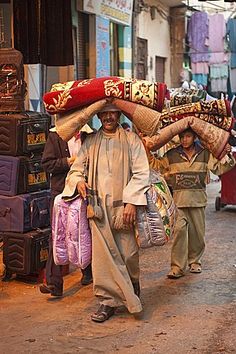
{"points": [[118, 179]]}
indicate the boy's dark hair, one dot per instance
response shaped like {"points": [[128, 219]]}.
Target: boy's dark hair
{"points": [[188, 130]]}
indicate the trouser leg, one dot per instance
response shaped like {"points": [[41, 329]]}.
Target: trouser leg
{"points": [[196, 243], [53, 271], [87, 276], [87, 271], [179, 250]]}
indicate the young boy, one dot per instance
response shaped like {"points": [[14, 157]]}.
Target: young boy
{"points": [[185, 169]]}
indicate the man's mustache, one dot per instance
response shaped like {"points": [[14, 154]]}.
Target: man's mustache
{"points": [[108, 120]]}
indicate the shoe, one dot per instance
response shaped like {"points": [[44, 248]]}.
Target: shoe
{"points": [[173, 274], [103, 313], [50, 289], [195, 268], [87, 277], [137, 289]]}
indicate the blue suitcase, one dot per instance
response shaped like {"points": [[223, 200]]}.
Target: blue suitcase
{"points": [[25, 212], [22, 174]]}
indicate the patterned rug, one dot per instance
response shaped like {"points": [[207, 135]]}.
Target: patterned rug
{"points": [[216, 112], [76, 94], [180, 96]]}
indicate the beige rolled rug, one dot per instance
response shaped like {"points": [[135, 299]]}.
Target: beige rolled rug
{"points": [[145, 119], [148, 122], [71, 121], [213, 138]]}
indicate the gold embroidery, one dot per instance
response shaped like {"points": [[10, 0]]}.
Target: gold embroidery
{"points": [[59, 104], [84, 82], [62, 86], [111, 88]]}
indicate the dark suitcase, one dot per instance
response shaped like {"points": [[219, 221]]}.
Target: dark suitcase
{"points": [[25, 253], [25, 212], [12, 84], [23, 133], [20, 175]]}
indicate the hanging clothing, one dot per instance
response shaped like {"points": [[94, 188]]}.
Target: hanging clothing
{"points": [[232, 77], [231, 32], [197, 35], [219, 85], [218, 71], [200, 79], [200, 68], [218, 77], [217, 33], [43, 31]]}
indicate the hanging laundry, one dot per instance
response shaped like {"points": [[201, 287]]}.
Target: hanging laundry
{"points": [[200, 68], [218, 77], [197, 35], [218, 71], [201, 79], [232, 76], [217, 33], [231, 35]]}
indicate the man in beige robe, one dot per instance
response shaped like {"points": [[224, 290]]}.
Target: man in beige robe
{"points": [[116, 164]]}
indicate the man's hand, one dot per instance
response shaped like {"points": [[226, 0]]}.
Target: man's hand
{"points": [[81, 187], [129, 215]]}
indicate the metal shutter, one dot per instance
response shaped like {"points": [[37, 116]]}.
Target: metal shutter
{"points": [[82, 46], [160, 69]]}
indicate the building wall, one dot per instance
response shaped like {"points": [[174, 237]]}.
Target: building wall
{"points": [[157, 32], [178, 29]]}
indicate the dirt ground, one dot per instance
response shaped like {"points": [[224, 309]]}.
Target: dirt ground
{"points": [[194, 314]]}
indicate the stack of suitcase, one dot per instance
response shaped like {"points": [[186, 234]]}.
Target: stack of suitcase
{"points": [[24, 191]]}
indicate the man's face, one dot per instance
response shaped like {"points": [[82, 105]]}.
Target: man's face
{"points": [[187, 139], [109, 120]]}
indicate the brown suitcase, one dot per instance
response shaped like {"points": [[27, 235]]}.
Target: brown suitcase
{"points": [[12, 84], [25, 253], [23, 133]]}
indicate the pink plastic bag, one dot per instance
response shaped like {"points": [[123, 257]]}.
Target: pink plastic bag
{"points": [[71, 234]]}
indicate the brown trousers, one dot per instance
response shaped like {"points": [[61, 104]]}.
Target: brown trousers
{"points": [[188, 245]]}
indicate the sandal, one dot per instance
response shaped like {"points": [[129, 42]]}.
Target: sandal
{"points": [[103, 313], [173, 274], [195, 268]]}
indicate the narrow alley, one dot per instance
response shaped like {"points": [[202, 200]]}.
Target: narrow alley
{"points": [[194, 314]]}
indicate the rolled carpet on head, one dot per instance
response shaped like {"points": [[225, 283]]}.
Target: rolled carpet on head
{"points": [[76, 94]]}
